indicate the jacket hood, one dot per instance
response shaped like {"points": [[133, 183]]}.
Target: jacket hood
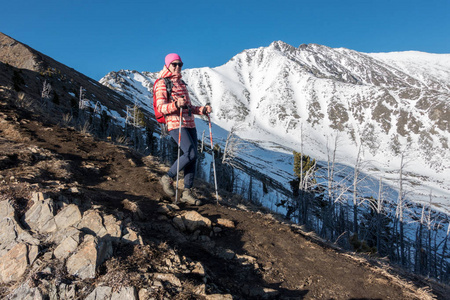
{"points": [[165, 73]]}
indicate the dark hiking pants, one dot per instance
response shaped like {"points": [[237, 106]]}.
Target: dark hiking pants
{"points": [[189, 157]]}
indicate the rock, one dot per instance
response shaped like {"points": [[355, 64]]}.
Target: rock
{"points": [[113, 227], [131, 236], [92, 223], [11, 234], [66, 291], [60, 235], [204, 238], [193, 221], [102, 226], [125, 293], [25, 292], [219, 297], [67, 246], [105, 250], [14, 263], [200, 289], [134, 208], [270, 293], [132, 162], [74, 190], [8, 235], [33, 252], [171, 278], [40, 216], [217, 229], [6, 209], [90, 254], [163, 209], [260, 292], [225, 223], [68, 216], [38, 196], [245, 259], [226, 254], [144, 294], [179, 223], [100, 293], [199, 269]]}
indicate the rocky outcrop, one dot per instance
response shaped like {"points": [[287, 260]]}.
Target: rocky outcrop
{"points": [[57, 237]]}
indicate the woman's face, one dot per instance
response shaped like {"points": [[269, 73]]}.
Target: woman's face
{"points": [[175, 67]]}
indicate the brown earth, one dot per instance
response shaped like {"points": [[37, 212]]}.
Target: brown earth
{"points": [[293, 263]]}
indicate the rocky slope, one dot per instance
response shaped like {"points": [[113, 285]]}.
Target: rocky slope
{"points": [[28, 70], [82, 218]]}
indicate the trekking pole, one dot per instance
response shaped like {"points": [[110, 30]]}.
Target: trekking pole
{"points": [[178, 159], [214, 163]]}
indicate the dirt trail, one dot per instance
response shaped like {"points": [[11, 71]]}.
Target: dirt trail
{"points": [[285, 259]]}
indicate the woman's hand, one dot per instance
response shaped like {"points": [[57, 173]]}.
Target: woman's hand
{"points": [[207, 109], [181, 101]]}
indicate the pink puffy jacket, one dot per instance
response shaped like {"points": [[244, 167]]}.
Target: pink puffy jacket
{"points": [[167, 106]]}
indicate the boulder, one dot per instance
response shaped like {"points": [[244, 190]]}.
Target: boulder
{"points": [[90, 254], [67, 246], [102, 226], [92, 223], [6, 209], [68, 216], [113, 227], [11, 234], [15, 262], [60, 235], [40, 216]]}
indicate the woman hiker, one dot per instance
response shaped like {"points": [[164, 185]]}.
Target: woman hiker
{"points": [[169, 106]]}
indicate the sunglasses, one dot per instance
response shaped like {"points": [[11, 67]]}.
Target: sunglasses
{"points": [[177, 64]]}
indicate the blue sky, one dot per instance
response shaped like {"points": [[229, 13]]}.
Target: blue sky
{"points": [[99, 36]]}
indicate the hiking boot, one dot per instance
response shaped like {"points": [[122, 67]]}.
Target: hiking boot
{"points": [[189, 198], [167, 186]]}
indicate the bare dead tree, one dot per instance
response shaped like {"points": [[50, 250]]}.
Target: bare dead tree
{"points": [[336, 191], [399, 213], [331, 163], [306, 184], [444, 250], [233, 147], [379, 211], [419, 255], [45, 94]]}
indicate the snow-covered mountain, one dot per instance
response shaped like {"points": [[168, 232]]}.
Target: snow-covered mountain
{"points": [[284, 98]]}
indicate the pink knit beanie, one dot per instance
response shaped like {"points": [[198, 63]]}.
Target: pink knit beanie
{"points": [[171, 57]]}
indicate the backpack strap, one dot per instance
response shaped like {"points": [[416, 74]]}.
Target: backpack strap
{"points": [[169, 86]]}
